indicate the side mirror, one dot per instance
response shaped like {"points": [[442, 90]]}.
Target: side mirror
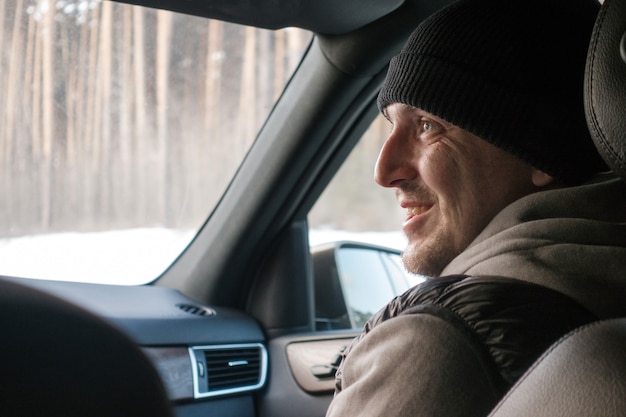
{"points": [[355, 280]]}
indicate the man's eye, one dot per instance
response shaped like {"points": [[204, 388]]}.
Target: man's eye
{"points": [[429, 130], [428, 126]]}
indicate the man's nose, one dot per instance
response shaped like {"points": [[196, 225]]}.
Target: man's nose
{"points": [[395, 162]]}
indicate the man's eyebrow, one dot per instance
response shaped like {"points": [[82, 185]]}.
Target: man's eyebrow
{"points": [[437, 119]]}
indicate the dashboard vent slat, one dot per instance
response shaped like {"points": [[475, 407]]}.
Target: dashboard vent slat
{"points": [[196, 310], [232, 368], [227, 369]]}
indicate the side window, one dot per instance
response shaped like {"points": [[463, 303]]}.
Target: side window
{"points": [[356, 240], [353, 206]]}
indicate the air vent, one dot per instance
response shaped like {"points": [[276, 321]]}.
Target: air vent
{"points": [[196, 310], [228, 369]]}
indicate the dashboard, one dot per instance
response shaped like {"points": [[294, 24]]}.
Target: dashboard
{"points": [[200, 352]]}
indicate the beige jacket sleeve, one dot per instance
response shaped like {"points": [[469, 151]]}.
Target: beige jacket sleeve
{"points": [[415, 365]]}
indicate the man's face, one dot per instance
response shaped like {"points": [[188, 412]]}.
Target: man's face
{"points": [[451, 183]]}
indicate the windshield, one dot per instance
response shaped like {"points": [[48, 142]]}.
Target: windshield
{"points": [[120, 128]]}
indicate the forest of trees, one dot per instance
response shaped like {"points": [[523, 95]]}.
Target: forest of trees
{"points": [[109, 114]]}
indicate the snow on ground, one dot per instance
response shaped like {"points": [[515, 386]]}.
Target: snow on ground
{"points": [[125, 257]]}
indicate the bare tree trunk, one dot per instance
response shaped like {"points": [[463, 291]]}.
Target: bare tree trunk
{"points": [[6, 207], [35, 98], [70, 119], [103, 108], [79, 103], [13, 88], [214, 60], [279, 64], [247, 102], [67, 175], [125, 111], [164, 35], [125, 70], [263, 83], [141, 135], [47, 107], [48, 45], [89, 111], [3, 136], [214, 126], [36, 95]]}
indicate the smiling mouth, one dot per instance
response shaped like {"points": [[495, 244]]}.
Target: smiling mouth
{"points": [[417, 210]]}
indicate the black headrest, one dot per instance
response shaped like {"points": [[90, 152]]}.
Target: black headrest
{"points": [[605, 85]]}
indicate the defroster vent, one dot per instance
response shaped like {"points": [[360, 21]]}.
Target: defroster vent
{"points": [[228, 369]]}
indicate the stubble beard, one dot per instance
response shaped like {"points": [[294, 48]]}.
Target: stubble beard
{"points": [[429, 258]]}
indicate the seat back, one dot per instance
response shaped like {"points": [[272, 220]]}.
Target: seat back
{"points": [[584, 374]]}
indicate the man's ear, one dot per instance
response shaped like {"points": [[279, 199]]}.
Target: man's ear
{"points": [[541, 179]]}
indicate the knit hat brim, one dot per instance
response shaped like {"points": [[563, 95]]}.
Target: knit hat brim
{"points": [[464, 99]]}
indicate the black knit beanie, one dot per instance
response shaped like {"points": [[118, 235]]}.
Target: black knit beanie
{"points": [[510, 72]]}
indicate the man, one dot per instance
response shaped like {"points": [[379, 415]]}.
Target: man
{"points": [[507, 209]]}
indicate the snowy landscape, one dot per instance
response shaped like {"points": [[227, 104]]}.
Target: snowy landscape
{"points": [[126, 257]]}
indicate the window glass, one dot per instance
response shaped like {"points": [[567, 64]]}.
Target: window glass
{"points": [[354, 208], [365, 282], [120, 128]]}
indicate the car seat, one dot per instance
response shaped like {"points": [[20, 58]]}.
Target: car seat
{"points": [[584, 374], [57, 360]]}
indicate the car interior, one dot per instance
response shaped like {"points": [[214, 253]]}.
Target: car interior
{"points": [[249, 320], [584, 374]]}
